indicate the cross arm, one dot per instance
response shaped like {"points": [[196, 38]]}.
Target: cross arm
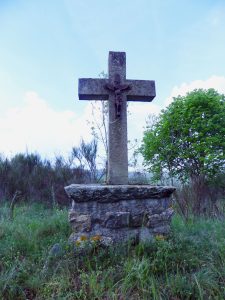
{"points": [[141, 90], [92, 89]]}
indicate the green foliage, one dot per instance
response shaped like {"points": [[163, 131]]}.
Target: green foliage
{"points": [[189, 264], [38, 179], [188, 139]]}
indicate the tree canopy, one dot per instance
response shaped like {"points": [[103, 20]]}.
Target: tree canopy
{"points": [[188, 137]]}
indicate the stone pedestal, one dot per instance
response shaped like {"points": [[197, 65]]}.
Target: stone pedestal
{"points": [[117, 213]]}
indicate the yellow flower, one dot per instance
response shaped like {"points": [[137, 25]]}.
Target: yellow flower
{"points": [[160, 237], [83, 238], [96, 238], [77, 243]]}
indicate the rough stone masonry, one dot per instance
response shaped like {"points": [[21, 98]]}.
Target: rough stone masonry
{"points": [[118, 212]]}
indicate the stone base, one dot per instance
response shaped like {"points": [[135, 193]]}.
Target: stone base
{"points": [[117, 213]]}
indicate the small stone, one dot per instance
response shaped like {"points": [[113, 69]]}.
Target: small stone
{"points": [[161, 229], [56, 250], [145, 235], [106, 241], [163, 217], [153, 220], [138, 220], [167, 214], [72, 215], [80, 223]]}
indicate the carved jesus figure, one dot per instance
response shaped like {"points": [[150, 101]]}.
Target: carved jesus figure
{"points": [[117, 88]]}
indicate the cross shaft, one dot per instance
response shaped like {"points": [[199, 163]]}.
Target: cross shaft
{"points": [[117, 90]]}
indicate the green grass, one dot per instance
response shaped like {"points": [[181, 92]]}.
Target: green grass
{"points": [[190, 264]]}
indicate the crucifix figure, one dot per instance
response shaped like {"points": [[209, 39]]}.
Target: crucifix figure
{"points": [[117, 90]]}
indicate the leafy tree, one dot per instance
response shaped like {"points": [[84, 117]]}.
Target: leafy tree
{"points": [[188, 139]]}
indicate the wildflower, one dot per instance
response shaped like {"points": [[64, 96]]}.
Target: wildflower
{"points": [[83, 238], [160, 237], [96, 238], [77, 243]]}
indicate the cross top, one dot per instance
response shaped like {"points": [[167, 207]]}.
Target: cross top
{"points": [[117, 90]]}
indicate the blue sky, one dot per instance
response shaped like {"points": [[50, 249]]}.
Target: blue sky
{"points": [[46, 45]]}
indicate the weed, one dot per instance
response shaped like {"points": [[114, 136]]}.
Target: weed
{"points": [[188, 264]]}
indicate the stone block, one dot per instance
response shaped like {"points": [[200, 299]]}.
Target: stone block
{"points": [[138, 220], [164, 229], [145, 235], [80, 223], [155, 219], [117, 220], [114, 193]]}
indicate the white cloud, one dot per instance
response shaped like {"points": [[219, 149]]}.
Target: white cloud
{"points": [[139, 113], [216, 82], [35, 126]]}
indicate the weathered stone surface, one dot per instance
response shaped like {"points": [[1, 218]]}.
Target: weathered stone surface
{"points": [[80, 223], [139, 220], [117, 219], [117, 143], [98, 210], [114, 193], [165, 229], [155, 219], [56, 250], [119, 213], [115, 235], [145, 235], [142, 90], [117, 92], [89, 89]]}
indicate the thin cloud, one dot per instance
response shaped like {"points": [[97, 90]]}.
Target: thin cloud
{"points": [[216, 82], [35, 126]]}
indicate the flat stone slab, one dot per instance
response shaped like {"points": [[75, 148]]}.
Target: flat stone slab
{"points": [[114, 193]]}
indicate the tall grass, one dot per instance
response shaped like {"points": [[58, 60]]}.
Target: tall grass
{"points": [[189, 264], [201, 198]]}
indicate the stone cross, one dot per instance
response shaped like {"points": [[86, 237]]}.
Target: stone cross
{"points": [[117, 90]]}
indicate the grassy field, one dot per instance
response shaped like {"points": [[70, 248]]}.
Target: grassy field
{"points": [[189, 264]]}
